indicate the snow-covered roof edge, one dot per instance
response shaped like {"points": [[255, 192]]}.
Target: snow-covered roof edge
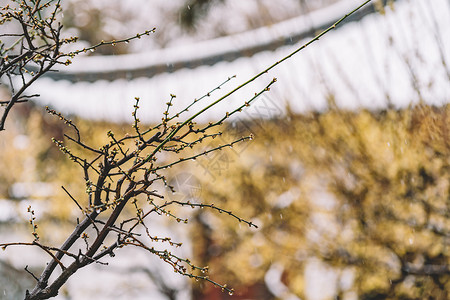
{"points": [[210, 52]]}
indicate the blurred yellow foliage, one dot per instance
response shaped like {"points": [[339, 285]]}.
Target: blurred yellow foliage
{"points": [[362, 191], [368, 190]]}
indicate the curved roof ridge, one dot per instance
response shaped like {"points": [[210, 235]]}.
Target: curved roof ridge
{"points": [[210, 52]]}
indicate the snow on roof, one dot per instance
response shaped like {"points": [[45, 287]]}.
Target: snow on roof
{"points": [[227, 48], [396, 56]]}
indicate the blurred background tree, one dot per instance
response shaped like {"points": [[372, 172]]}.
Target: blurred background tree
{"points": [[364, 194]]}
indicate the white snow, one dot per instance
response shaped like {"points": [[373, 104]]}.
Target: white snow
{"points": [[224, 18], [321, 280], [273, 282], [396, 56], [241, 41]]}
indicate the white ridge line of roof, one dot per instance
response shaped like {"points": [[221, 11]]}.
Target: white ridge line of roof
{"points": [[215, 47]]}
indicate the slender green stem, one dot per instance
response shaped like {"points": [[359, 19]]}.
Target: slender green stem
{"points": [[169, 137]]}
